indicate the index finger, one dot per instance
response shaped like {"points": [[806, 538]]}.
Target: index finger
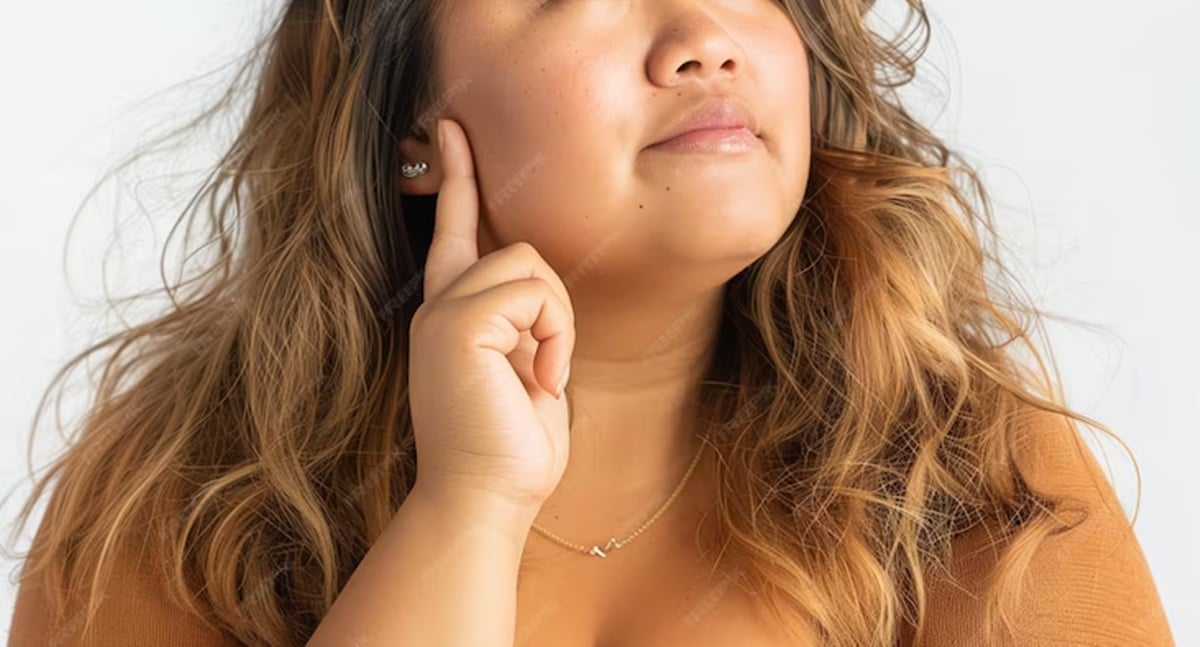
{"points": [[456, 217]]}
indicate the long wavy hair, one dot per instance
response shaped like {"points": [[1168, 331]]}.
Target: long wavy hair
{"points": [[866, 400]]}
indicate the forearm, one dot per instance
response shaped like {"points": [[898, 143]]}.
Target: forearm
{"points": [[444, 572]]}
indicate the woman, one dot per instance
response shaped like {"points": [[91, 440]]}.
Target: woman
{"points": [[795, 415]]}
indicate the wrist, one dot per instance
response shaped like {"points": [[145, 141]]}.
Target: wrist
{"points": [[477, 508]]}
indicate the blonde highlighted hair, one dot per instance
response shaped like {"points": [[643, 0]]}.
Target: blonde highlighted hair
{"points": [[867, 401]]}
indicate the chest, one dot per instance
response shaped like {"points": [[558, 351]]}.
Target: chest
{"points": [[667, 594]]}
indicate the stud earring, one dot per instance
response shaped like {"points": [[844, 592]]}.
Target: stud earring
{"points": [[414, 170]]}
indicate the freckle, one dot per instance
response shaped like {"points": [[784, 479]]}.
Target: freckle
{"points": [[668, 188], [639, 206]]}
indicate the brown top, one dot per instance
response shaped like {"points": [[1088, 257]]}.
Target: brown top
{"points": [[1090, 586]]}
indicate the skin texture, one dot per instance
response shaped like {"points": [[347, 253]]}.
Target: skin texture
{"points": [[559, 103]]}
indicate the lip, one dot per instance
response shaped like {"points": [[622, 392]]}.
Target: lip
{"points": [[720, 123], [712, 140]]}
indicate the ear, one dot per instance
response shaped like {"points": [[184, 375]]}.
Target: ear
{"points": [[421, 146]]}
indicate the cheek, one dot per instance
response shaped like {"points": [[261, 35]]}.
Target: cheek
{"points": [[559, 199], [784, 59], [547, 152]]}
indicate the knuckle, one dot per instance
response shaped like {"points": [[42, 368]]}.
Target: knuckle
{"points": [[544, 290], [525, 249], [492, 327], [419, 314], [432, 314], [418, 319]]}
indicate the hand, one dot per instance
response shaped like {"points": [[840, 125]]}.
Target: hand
{"points": [[489, 345]]}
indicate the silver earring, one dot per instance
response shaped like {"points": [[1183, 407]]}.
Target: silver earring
{"points": [[414, 170]]}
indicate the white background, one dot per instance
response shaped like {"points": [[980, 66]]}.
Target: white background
{"points": [[1081, 116]]}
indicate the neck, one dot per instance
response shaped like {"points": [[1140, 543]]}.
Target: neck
{"points": [[635, 375]]}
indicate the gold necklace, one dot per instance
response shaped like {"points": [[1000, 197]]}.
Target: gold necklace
{"points": [[614, 543]]}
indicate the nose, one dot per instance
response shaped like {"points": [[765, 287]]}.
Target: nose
{"points": [[692, 46]]}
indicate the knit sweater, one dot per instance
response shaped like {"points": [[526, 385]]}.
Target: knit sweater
{"points": [[1089, 586]]}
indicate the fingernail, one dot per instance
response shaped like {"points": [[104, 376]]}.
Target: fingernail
{"points": [[562, 382], [441, 133]]}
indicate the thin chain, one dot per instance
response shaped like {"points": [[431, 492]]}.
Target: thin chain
{"points": [[614, 543]]}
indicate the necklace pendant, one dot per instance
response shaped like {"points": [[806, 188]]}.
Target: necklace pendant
{"points": [[597, 552], [612, 543]]}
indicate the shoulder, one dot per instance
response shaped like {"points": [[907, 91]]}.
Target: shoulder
{"points": [[134, 610], [1090, 584]]}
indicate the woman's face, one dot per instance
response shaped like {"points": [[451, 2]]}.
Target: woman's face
{"points": [[561, 100]]}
